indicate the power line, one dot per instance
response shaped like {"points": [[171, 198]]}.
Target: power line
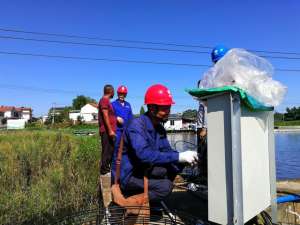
{"points": [[136, 41], [128, 47], [103, 59], [104, 39], [64, 91], [44, 90], [121, 60], [102, 45]]}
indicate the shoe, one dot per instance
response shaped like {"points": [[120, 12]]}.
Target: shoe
{"points": [[105, 186]]}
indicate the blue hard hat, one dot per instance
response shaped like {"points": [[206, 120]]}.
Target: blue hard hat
{"points": [[218, 52]]}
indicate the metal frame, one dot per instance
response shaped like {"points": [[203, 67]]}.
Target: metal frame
{"points": [[272, 169], [237, 184]]}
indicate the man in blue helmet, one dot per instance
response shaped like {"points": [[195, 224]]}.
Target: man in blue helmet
{"points": [[217, 53]]}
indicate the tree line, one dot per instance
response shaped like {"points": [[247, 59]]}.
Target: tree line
{"points": [[291, 114]]}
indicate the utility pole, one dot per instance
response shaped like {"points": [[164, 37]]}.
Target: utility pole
{"points": [[53, 112]]}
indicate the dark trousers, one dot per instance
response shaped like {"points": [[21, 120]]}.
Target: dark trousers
{"points": [[160, 184], [106, 153], [202, 154]]}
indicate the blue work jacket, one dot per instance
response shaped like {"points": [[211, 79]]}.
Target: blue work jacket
{"points": [[123, 111], [144, 147]]}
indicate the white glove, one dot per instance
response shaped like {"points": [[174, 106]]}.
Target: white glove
{"points": [[190, 157]]}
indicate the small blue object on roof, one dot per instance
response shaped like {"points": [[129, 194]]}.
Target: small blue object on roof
{"points": [[218, 52]]}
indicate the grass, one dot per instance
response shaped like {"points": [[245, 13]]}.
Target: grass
{"points": [[287, 123], [46, 174]]}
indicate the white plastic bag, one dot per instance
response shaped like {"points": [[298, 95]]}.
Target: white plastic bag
{"points": [[249, 72]]}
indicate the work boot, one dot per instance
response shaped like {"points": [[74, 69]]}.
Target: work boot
{"points": [[105, 187]]}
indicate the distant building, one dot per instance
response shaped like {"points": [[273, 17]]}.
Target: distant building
{"points": [[74, 114], [189, 124], [45, 118], [12, 112], [174, 122], [14, 117], [56, 110], [25, 113], [16, 124], [9, 112], [88, 113]]}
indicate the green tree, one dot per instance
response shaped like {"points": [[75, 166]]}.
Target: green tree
{"points": [[278, 116], [81, 100], [190, 114], [142, 110]]}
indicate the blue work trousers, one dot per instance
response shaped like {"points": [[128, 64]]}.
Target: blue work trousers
{"points": [[159, 181]]}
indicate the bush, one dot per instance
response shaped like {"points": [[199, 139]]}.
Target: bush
{"points": [[45, 174]]}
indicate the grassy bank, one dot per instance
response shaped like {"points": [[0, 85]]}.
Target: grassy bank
{"points": [[45, 174], [287, 123]]}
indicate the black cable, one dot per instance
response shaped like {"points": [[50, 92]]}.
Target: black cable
{"points": [[136, 41], [186, 142], [104, 39], [130, 47], [102, 45], [121, 60], [37, 89], [104, 59]]}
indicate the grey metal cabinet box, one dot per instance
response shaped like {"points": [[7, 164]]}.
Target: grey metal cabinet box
{"points": [[241, 160]]}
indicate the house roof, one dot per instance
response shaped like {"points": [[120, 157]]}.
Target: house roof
{"points": [[20, 109], [93, 104], [175, 116], [10, 108], [57, 108], [6, 108]]}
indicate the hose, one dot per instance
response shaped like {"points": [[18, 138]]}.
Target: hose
{"points": [[288, 198]]}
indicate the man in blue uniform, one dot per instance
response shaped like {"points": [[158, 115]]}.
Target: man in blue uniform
{"points": [[217, 53], [146, 148], [122, 111]]}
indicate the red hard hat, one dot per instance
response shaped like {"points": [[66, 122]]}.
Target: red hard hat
{"points": [[122, 90], [158, 95]]}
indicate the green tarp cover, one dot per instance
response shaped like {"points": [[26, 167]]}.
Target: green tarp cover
{"points": [[246, 99]]}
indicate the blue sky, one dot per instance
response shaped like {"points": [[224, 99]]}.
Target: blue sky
{"points": [[262, 25]]}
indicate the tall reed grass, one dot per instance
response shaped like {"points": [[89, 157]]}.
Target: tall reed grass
{"points": [[46, 174]]}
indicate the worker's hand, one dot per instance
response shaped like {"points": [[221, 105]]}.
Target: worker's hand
{"points": [[120, 120], [112, 135], [203, 132], [190, 157]]}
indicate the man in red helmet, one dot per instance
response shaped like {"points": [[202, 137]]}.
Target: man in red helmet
{"points": [[147, 151], [122, 110]]}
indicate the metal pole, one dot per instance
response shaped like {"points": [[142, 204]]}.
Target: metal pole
{"points": [[237, 184], [272, 168], [53, 112]]}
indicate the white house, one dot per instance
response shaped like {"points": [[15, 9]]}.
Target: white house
{"points": [[174, 122], [14, 116], [16, 123], [25, 113], [73, 115], [9, 112], [88, 113]]}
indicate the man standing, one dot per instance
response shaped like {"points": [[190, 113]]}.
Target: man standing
{"points": [[217, 53], [147, 151], [107, 128], [122, 111]]}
